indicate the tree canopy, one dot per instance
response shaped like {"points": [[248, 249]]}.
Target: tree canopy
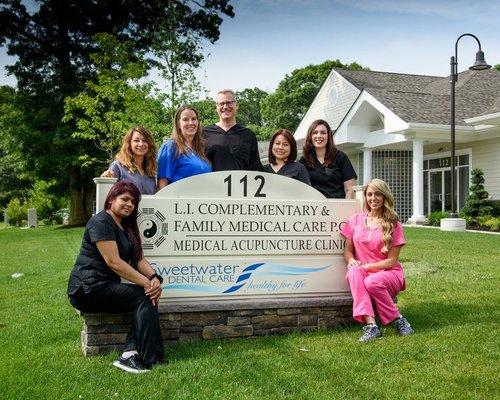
{"points": [[115, 102], [15, 180], [54, 41]]}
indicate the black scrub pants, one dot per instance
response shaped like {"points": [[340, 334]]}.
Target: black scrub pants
{"points": [[145, 334]]}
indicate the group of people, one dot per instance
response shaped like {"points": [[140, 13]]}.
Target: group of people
{"points": [[111, 246], [227, 145]]}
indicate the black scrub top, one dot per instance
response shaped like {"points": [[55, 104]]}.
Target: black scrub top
{"points": [[329, 180], [293, 170], [91, 271], [235, 149]]}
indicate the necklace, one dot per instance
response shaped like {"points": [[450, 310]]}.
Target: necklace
{"points": [[370, 219]]}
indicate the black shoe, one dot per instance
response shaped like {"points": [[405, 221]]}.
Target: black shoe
{"points": [[132, 364]]}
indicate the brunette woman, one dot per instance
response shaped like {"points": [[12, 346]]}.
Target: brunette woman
{"points": [[282, 155], [111, 250], [374, 239], [330, 170], [136, 160], [184, 154]]}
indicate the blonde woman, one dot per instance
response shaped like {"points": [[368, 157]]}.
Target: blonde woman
{"points": [[184, 154], [374, 239], [136, 160]]}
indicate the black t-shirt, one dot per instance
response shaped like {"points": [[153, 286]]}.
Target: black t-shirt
{"points": [[235, 149], [293, 170], [330, 180], [90, 270]]}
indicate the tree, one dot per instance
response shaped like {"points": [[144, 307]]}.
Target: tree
{"points": [[105, 110], [249, 114], [287, 105], [477, 203], [249, 101], [53, 42], [206, 110], [15, 180], [497, 67], [178, 56]]}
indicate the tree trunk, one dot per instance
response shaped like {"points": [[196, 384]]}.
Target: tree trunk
{"points": [[76, 207], [89, 200]]}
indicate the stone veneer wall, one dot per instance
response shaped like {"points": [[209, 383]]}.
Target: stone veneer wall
{"points": [[103, 333]]}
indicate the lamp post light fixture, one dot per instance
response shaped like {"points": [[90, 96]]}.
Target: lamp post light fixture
{"points": [[480, 64]]}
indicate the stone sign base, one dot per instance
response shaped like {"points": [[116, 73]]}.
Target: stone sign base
{"points": [[103, 333]]}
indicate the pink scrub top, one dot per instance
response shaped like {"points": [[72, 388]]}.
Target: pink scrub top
{"points": [[368, 242]]}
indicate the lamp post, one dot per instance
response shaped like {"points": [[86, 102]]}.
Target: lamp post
{"points": [[480, 64]]}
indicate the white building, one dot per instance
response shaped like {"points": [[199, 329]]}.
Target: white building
{"points": [[396, 127]]}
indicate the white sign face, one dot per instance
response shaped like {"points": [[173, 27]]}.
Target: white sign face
{"points": [[244, 234]]}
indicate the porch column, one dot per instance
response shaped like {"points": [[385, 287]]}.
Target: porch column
{"points": [[418, 182], [367, 165]]}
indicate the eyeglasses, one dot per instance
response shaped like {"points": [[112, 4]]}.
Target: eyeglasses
{"points": [[226, 103]]}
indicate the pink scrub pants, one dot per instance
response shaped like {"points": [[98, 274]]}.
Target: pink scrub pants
{"points": [[375, 290]]}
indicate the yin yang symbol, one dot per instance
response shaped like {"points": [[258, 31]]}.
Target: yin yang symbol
{"points": [[149, 228]]}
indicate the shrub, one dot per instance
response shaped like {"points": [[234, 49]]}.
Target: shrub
{"points": [[482, 219], [61, 216], [44, 201], [477, 202], [469, 221], [495, 204], [493, 223], [434, 218], [16, 212]]}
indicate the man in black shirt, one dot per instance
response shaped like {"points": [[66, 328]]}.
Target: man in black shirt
{"points": [[229, 145]]}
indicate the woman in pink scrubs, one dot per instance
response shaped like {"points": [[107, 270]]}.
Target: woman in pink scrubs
{"points": [[374, 239]]}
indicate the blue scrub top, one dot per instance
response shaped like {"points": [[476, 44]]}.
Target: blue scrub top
{"points": [[175, 167]]}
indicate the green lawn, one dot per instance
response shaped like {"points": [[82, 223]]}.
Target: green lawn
{"points": [[452, 301]]}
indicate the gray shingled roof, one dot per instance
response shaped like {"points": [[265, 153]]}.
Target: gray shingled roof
{"points": [[422, 98]]}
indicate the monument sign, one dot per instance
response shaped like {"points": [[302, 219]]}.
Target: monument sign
{"points": [[242, 234]]}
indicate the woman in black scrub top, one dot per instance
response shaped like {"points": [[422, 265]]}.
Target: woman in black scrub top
{"points": [[330, 170], [282, 155], [111, 249]]}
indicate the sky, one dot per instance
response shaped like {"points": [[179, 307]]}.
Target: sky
{"points": [[268, 39]]}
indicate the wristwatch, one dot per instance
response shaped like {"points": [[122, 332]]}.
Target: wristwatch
{"points": [[155, 275]]}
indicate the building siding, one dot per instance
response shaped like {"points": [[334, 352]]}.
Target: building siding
{"points": [[485, 156], [321, 108]]}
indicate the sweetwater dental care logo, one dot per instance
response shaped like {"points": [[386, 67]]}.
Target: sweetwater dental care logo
{"points": [[256, 278], [152, 227]]}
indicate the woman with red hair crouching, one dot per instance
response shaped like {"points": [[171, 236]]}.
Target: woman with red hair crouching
{"points": [[111, 250]]}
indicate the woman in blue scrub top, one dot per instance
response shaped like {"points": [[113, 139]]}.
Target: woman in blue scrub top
{"points": [[183, 155]]}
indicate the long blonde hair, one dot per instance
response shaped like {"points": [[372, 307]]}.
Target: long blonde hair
{"points": [[388, 217], [126, 157], [180, 140]]}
